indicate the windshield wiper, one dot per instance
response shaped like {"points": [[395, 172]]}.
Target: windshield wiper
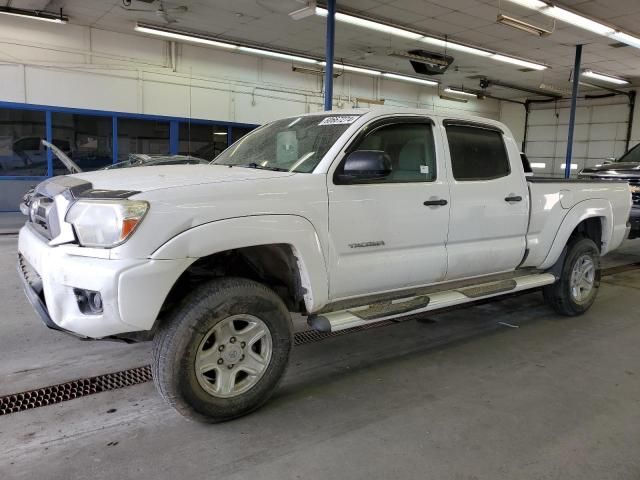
{"points": [[262, 167]]}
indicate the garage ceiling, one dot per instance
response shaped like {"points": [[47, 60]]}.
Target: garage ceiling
{"points": [[471, 21]]}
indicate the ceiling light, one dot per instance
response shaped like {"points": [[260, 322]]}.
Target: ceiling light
{"points": [[35, 15], [604, 78], [455, 46], [220, 133], [517, 61], [522, 25], [283, 56], [406, 78], [411, 35], [626, 38], [538, 165], [453, 99], [370, 24], [460, 92], [580, 21], [304, 12], [349, 68], [574, 166], [554, 88], [187, 37]]}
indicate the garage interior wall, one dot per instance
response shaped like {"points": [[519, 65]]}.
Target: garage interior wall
{"points": [[82, 67]]}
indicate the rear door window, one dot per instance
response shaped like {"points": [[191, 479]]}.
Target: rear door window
{"points": [[477, 153]]}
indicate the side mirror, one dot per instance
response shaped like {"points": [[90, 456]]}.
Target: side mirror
{"points": [[363, 165]]}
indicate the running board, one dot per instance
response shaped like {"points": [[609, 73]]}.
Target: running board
{"points": [[358, 316]]}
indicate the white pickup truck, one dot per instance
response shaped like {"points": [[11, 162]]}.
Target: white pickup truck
{"points": [[346, 218]]}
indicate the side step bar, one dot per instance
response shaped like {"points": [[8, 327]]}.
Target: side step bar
{"points": [[355, 317]]}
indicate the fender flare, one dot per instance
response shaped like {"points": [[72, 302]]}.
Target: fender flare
{"points": [[594, 208], [255, 230]]}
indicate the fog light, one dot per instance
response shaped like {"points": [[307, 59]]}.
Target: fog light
{"points": [[89, 302]]}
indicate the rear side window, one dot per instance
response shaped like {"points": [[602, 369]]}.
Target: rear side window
{"points": [[477, 153]]}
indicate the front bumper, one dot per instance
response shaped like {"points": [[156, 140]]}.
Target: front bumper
{"points": [[133, 290]]}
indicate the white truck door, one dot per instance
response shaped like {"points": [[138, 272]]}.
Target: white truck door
{"points": [[382, 234], [489, 201]]}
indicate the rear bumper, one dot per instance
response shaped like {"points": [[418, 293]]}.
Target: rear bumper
{"points": [[132, 290]]}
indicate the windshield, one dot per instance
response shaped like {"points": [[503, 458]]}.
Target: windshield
{"points": [[632, 155], [291, 145]]}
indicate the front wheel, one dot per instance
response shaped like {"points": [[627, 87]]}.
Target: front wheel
{"points": [[223, 351], [576, 289]]}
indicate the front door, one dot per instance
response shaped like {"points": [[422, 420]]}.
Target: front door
{"points": [[489, 202], [382, 234]]}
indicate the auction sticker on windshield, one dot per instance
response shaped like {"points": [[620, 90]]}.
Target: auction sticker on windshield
{"points": [[341, 120]]}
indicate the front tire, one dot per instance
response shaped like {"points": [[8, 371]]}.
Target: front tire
{"points": [[223, 351], [576, 289]]}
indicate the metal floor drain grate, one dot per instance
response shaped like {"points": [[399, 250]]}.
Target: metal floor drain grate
{"points": [[63, 392]]}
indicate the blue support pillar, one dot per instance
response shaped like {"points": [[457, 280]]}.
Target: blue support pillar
{"points": [[572, 114], [328, 69], [174, 133], [49, 134]]}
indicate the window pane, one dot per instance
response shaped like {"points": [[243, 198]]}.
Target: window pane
{"points": [[238, 132], [86, 139], [202, 141], [411, 148], [477, 153], [142, 136], [21, 153]]}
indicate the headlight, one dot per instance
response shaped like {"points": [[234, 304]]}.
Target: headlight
{"points": [[105, 223]]}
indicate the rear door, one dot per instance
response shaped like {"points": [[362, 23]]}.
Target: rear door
{"points": [[489, 201], [383, 235]]}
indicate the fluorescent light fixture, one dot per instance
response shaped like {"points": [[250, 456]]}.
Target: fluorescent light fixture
{"points": [[522, 25], [604, 78], [626, 38], [185, 37], [453, 99], [460, 92], [35, 15], [304, 12], [538, 165], [220, 133], [408, 34], [282, 56], [349, 68], [455, 46], [579, 21], [554, 88], [517, 61], [370, 24], [406, 78]]}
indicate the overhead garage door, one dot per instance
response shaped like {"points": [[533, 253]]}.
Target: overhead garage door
{"points": [[600, 133]]}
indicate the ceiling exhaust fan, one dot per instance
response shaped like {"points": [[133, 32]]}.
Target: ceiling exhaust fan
{"points": [[165, 13]]}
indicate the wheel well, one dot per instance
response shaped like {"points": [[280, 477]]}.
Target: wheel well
{"points": [[273, 265], [590, 228]]}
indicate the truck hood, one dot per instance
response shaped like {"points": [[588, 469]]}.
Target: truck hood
{"points": [[145, 179], [614, 169]]}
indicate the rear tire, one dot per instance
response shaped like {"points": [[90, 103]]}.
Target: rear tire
{"points": [[223, 351], [576, 289]]}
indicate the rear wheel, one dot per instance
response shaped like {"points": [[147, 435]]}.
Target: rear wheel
{"points": [[223, 351], [577, 288]]}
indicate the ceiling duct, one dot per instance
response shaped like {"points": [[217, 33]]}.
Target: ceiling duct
{"points": [[425, 62]]}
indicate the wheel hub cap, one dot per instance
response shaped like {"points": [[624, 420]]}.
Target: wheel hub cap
{"points": [[583, 278], [233, 356]]}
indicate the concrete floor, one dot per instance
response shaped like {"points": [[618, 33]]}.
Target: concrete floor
{"points": [[463, 398]]}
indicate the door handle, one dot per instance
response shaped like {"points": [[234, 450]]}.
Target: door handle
{"points": [[441, 202], [515, 198]]}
